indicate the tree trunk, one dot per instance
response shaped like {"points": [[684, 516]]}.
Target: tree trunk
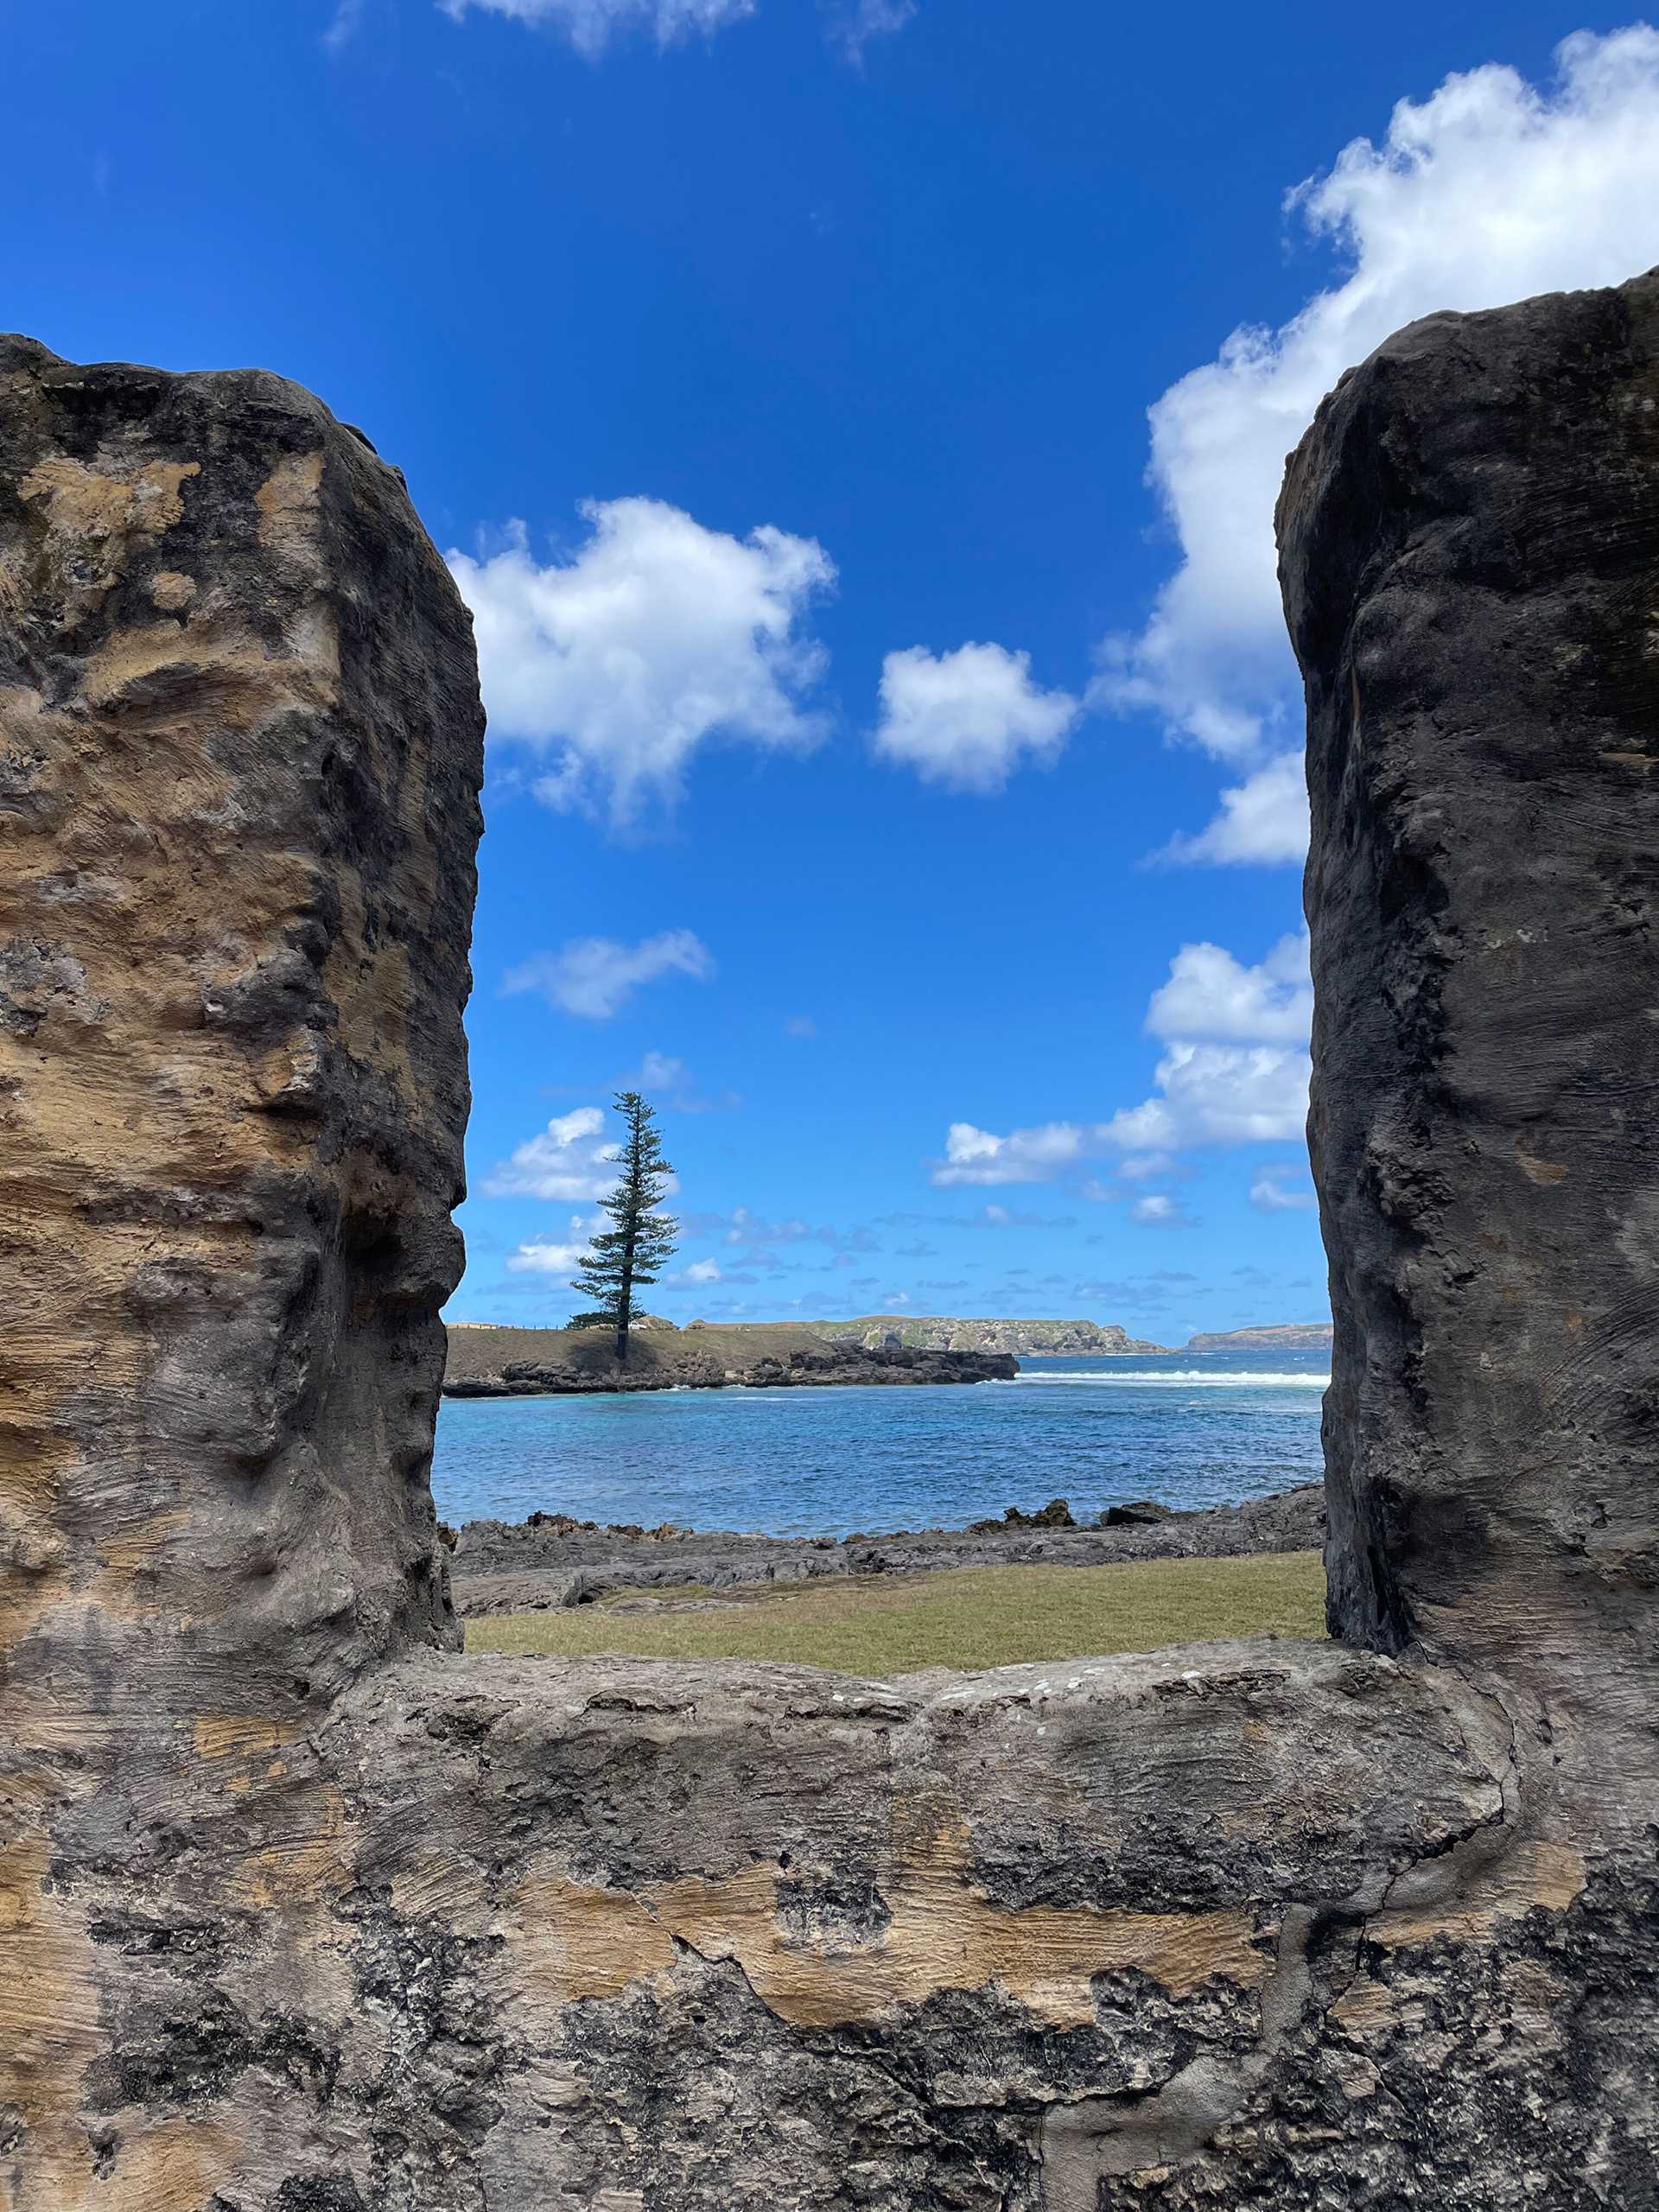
{"points": [[625, 1302]]}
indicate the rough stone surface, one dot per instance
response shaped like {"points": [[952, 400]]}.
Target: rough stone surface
{"points": [[1470, 554], [240, 748], [240, 740], [300, 1911]]}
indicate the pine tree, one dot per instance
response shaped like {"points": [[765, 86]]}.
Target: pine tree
{"points": [[632, 1253]]}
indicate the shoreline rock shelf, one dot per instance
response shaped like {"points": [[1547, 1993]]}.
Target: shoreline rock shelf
{"points": [[553, 1560]]}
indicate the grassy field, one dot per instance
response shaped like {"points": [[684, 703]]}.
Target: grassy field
{"points": [[967, 1616]]}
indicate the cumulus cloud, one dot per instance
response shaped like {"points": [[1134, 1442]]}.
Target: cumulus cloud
{"points": [[1209, 993], [1234, 1070], [541, 1255], [591, 24], [1489, 190], [968, 718], [655, 638], [700, 1271], [593, 977], [1281, 1189], [1217, 1094], [1262, 821], [1235, 1067], [976, 1156], [571, 1160]]}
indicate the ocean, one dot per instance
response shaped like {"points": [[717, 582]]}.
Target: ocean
{"points": [[1189, 1429]]}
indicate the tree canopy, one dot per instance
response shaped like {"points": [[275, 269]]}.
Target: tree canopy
{"points": [[634, 1251]]}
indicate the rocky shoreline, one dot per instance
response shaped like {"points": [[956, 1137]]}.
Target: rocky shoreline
{"points": [[582, 1367], [552, 1560]]}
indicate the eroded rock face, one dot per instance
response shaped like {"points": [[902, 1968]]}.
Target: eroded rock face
{"points": [[239, 754], [1471, 544]]}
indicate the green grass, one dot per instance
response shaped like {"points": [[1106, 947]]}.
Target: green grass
{"points": [[966, 1617]]}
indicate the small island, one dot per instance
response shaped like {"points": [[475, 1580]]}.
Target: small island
{"points": [[1283, 1335], [484, 1361]]}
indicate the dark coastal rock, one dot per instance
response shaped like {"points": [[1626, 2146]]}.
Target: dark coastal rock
{"points": [[1057, 1514], [1470, 535], [550, 1559], [301, 1911], [1136, 1513]]}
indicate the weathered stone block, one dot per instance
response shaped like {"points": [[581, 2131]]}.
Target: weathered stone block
{"points": [[239, 756], [1470, 557]]}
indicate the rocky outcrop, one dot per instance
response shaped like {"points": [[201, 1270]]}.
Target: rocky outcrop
{"points": [[301, 1911], [1280, 1336], [1025, 1339], [553, 1560], [240, 749], [239, 756], [551, 1363], [1470, 537]]}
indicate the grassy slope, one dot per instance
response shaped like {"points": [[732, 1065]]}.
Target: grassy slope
{"points": [[483, 1352], [967, 1617]]}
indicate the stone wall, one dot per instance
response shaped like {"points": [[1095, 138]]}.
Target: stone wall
{"points": [[303, 1911]]}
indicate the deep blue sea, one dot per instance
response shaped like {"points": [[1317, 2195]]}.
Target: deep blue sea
{"points": [[1190, 1429]]}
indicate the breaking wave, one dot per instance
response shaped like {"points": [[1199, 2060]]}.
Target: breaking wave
{"points": [[1184, 1378]]}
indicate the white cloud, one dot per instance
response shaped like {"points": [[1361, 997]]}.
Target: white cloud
{"points": [[655, 638], [975, 1155], [1269, 1192], [856, 24], [1209, 993], [1217, 1094], [1234, 1070], [570, 1160], [968, 718], [1138, 1167], [657, 1071], [1262, 821], [347, 21], [1488, 191], [592, 976], [540, 1255], [590, 24], [1156, 1210], [700, 1271]]}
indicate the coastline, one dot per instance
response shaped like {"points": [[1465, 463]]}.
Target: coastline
{"points": [[552, 1560], [559, 1363]]}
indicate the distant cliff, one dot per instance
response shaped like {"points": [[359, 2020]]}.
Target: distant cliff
{"points": [[1025, 1339], [1283, 1335]]}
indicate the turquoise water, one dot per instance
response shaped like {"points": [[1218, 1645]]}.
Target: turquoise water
{"points": [[1190, 1429]]}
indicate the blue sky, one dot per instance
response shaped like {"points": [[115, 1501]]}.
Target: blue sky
{"points": [[891, 757]]}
